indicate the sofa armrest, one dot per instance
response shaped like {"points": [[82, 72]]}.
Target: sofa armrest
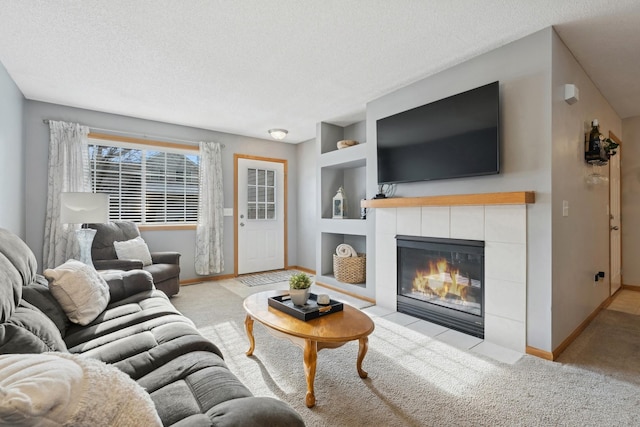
{"points": [[165, 257], [123, 284], [254, 412], [117, 264]]}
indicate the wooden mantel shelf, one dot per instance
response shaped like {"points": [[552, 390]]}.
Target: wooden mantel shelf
{"points": [[511, 198]]}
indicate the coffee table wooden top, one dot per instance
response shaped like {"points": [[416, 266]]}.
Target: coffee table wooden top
{"points": [[346, 325]]}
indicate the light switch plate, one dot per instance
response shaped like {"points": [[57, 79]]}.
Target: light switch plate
{"points": [[565, 208]]}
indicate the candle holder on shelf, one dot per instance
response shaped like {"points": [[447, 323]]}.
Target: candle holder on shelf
{"points": [[340, 204]]}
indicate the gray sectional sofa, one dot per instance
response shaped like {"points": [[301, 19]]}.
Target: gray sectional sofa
{"points": [[142, 334]]}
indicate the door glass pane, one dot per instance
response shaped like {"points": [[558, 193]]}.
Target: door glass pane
{"points": [[252, 211], [271, 211], [261, 194]]}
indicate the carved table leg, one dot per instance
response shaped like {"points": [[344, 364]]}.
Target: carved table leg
{"points": [[248, 323], [310, 358], [362, 351]]}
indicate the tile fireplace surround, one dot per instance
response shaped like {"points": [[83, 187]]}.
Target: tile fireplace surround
{"points": [[499, 219]]}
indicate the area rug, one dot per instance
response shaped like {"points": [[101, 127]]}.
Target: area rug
{"points": [[414, 380], [267, 278]]}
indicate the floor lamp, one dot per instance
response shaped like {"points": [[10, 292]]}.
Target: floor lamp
{"points": [[84, 208]]}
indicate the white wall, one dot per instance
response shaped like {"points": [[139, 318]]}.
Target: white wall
{"points": [[306, 208], [581, 240], [630, 150], [524, 71], [37, 142], [12, 155]]}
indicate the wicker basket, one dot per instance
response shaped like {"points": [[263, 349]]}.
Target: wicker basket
{"points": [[350, 269]]}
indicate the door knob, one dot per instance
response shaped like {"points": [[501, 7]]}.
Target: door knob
{"points": [[242, 224], [615, 227]]}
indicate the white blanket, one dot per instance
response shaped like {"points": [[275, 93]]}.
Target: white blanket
{"points": [[345, 250], [62, 389]]}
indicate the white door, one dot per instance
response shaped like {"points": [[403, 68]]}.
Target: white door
{"points": [[615, 253], [260, 215]]}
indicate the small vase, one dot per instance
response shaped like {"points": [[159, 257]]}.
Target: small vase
{"points": [[299, 296]]}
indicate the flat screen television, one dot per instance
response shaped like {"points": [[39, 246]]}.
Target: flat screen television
{"points": [[453, 137]]}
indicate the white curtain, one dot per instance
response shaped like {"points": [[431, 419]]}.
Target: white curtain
{"points": [[209, 233], [68, 171]]}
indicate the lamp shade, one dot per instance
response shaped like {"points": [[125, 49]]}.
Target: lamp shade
{"points": [[79, 208]]}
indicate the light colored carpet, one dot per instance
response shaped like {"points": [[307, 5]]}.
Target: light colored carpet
{"points": [[260, 279], [609, 346], [415, 380]]}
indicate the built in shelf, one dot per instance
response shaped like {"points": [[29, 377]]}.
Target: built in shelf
{"points": [[350, 157], [509, 198], [330, 279], [356, 227]]}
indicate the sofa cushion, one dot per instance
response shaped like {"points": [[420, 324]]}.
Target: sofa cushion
{"points": [[82, 293], [39, 295], [29, 331], [136, 309], [183, 393], [133, 249], [162, 272], [10, 288], [19, 255], [63, 389], [123, 284]]}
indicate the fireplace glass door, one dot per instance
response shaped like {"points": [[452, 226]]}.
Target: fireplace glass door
{"points": [[441, 280]]}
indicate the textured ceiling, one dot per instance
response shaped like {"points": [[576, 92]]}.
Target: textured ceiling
{"points": [[246, 66]]}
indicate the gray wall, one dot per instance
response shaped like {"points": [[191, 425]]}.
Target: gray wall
{"points": [[306, 160], [12, 155], [630, 151], [37, 140], [524, 71], [580, 245], [542, 150]]}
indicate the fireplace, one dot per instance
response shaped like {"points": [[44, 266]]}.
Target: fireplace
{"points": [[442, 281]]}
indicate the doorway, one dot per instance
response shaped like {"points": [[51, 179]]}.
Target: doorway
{"points": [[615, 232], [260, 214]]}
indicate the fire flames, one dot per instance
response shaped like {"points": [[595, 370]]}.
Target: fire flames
{"points": [[440, 280]]}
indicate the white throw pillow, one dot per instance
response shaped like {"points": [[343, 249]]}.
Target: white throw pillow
{"points": [[133, 249], [81, 292], [55, 389]]}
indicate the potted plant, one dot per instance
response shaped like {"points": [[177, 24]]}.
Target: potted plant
{"points": [[299, 285]]}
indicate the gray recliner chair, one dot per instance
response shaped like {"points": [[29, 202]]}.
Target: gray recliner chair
{"points": [[165, 268]]}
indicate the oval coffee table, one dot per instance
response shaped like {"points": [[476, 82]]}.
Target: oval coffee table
{"points": [[329, 331]]}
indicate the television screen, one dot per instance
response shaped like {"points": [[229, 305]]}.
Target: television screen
{"points": [[454, 137]]}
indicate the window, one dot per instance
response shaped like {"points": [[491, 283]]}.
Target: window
{"points": [[261, 194], [146, 184]]}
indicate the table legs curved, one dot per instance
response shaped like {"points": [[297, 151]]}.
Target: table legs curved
{"points": [[310, 359], [362, 351], [248, 323]]}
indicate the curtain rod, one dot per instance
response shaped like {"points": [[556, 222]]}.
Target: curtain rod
{"points": [[138, 135]]}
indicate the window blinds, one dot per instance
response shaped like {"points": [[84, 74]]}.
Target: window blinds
{"points": [[147, 185]]}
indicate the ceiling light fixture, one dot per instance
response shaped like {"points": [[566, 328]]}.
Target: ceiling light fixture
{"points": [[278, 133]]}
